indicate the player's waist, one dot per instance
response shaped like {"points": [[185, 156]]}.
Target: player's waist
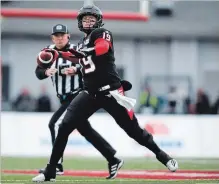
{"points": [[103, 88], [109, 87]]}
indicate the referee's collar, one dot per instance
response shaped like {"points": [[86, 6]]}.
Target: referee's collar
{"points": [[65, 48]]}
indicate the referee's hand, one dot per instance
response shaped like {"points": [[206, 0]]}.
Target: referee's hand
{"points": [[50, 71], [70, 71]]}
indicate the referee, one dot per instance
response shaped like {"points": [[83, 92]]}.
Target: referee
{"points": [[67, 87]]}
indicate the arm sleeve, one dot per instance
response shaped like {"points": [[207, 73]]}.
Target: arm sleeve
{"points": [[40, 73], [101, 46]]}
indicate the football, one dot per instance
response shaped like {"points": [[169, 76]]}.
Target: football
{"points": [[45, 59]]}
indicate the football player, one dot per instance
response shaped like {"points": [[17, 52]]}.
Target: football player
{"points": [[102, 89], [62, 74]]}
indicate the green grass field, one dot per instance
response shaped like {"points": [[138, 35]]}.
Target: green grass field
{"points": [[80, 163]]}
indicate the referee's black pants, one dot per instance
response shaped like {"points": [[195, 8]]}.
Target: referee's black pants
{"points": [[83, 106], [85, 129]]}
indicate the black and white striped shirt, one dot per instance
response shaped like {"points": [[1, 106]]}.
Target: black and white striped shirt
{"points": [[64, 84]]}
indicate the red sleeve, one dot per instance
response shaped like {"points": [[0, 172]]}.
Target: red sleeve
{"points": [[102, 46], [69, 56]]}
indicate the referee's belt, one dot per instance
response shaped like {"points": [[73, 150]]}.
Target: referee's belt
{"points": [[72, 93]]}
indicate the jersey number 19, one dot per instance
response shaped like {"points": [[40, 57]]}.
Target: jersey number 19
{"points": [[87, 65]]}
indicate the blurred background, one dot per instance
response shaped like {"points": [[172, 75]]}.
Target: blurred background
{"points": [[172, 58], [168, 50]]}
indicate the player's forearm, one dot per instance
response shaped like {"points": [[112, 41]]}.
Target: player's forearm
{"points": [[40, 73], [101, 47]]}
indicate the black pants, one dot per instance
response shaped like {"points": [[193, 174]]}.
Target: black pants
{"points": [[84, 129], [83, 106]]}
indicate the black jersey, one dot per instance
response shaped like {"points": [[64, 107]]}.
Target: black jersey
{"points": [[100, 70]]}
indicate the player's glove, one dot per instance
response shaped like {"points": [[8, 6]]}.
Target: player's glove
{"points": [[82, 52], [69, 56]]}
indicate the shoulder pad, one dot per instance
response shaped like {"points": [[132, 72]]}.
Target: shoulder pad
{"points": [[99, 30]]}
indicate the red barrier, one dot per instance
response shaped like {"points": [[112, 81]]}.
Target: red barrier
{"points": [[67, 14]]}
